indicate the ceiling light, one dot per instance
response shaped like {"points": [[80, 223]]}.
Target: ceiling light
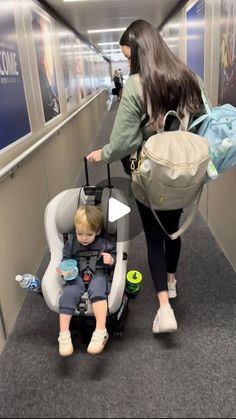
{"points": [[106, 30], [108, 43], [111, 50], [121, 57]]}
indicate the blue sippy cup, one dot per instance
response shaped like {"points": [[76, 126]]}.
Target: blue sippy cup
{"points": [[69, 270]]}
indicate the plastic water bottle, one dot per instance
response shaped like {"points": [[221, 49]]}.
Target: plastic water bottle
{"points": [[146, 166], [211, 171], [217, 151], [221, 149], [29, 281]]}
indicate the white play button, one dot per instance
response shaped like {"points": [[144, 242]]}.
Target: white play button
{"points": [[117, 209]]}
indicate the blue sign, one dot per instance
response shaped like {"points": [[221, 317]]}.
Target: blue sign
{"points": [[195, 37], [14, 120]]}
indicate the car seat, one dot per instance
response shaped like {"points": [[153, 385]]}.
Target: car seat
{"points": [[59, 221]]}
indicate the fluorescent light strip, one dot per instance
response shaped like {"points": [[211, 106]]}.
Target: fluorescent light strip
{"points": [[111, 50], [115, 56], [106, 30], [108, 43]]}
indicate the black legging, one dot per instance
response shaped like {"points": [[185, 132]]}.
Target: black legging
{"points": [[163, 253]]}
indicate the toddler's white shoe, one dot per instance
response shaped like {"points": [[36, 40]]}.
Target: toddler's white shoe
{"points": [[165, 321], [97, 343], [65, 344]]}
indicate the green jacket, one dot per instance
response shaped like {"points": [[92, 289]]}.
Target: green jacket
{"points": [[127, 134]]}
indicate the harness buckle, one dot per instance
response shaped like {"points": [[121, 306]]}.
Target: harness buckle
{"points": [[86, 277]]}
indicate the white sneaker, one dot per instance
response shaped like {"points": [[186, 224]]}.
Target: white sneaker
{"points": [[65, 344], [165, 321], [97, 343], [172, 293]]}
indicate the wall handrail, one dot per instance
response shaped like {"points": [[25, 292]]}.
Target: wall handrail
{"points": [[9, 168]]}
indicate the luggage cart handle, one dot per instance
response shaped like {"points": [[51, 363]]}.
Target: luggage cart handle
{"points": [[86, 173]]}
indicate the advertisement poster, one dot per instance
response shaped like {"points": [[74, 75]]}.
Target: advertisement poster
{"points": [[46, 66], [227, 70], [195, 37], [14, 120], [68, 69]]}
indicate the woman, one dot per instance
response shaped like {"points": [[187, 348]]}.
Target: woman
{"points": [[117, 83], [167, 84]]}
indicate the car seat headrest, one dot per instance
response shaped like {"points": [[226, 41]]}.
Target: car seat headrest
{"points": [[110, 227], [69, 203], [65, 212]]}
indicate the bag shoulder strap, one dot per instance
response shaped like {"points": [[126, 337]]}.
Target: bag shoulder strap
{"points": [[207, 105], [188, 220], [183, 123], [204, 95]]}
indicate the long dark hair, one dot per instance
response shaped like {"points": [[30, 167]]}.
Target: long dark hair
{"points": [[167, 81]]}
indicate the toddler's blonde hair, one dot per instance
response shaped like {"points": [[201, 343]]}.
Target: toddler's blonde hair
{"points": [[90, 217]]}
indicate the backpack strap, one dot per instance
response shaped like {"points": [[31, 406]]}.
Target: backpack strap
{"points": [[131, 161], [205, 101], [188, 220], [182, 124], [207, 106]]}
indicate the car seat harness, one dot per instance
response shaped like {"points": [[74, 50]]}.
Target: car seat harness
{"points": [[87, 264]]}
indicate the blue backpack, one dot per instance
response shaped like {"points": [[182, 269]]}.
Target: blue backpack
{"points": [[218, 125]]}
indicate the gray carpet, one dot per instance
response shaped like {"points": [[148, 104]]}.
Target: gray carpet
{"points": [[187, 374]]}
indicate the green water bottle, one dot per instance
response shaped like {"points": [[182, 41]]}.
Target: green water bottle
{"points": [[133, 283]]}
